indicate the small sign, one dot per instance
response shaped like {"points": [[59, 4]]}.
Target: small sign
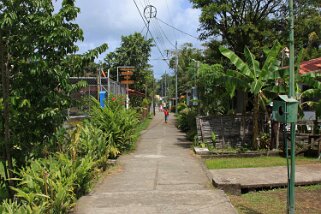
{"points": [[127, 82], [127, 77], [127, 69], [127, 73]]}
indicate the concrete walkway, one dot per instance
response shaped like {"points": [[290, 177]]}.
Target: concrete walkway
{"points": [[234, 180], [161, 176]]}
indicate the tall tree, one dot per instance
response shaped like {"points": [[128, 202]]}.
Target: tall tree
{"points": [[253, 78], [187, 66], [213, 95], [133, 51], [256, 24], [40, 47]]}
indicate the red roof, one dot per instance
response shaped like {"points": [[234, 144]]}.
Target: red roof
{"points": [[313, 65]]}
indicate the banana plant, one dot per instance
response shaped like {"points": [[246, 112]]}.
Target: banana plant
{"points": [[312, 95], [252, 77]]}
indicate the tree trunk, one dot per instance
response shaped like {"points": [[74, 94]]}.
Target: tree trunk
{"points": [[4, 66], [255, 122]]}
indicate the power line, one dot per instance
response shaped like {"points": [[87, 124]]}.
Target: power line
{"points": [[149, 31], [159, 36], [160, 27], [177, 28], [169, 13], [142, 29]]}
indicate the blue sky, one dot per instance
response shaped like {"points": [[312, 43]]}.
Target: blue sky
{"points": [[105, 21]]}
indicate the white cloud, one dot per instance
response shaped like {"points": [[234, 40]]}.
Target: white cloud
{"points": [[105, 21]]}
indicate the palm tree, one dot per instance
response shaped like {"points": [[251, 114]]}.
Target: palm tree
{"points": [[253, 78]]}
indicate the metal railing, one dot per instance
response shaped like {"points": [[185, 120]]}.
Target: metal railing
{"points": [[94, 85]]}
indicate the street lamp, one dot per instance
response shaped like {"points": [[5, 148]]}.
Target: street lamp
{"points": [[194, 89], [197, 67]]}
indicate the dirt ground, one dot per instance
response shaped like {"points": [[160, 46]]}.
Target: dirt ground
{"points": [[308, 201]]}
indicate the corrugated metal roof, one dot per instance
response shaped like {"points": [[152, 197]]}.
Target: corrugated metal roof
{"points": [[313, 65]]}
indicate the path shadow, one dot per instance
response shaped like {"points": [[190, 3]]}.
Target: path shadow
{"points": [[248, 210], [182, 142]]}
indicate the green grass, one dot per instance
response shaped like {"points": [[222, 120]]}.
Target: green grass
{"points": [[141, 126], [144, 125], [274, 201], [228, 163], [312, 187]]}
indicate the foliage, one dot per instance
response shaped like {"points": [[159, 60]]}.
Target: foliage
{"points": [[186, 121], [51, 185], [74, 157], [264, 140], [40, 47], [253, 162], [253, 78], [311, 96], [212, 93], [255, 24], [275, 200], [133, 51], [181, 107], [116, 122], [145, 103], [188, 59], [9, 207], [213, 137]]}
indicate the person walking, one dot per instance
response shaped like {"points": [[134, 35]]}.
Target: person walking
{"points": [[166, 113], [160, 107]]}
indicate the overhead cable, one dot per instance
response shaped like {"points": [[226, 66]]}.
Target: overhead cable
{"points": [[176, 28], [149, 31]]}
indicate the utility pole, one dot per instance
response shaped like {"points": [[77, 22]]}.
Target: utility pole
{"points": [[153, 98], [117, 75], [291, 185], [108, 85], [176, 73], [165, 84]]}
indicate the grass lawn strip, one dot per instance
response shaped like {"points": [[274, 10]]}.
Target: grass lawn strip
{"points": [[274, 201], [229, 163]]}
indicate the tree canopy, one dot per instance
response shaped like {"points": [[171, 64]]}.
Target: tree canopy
{"points": [[38, 55], [134, 51], [256, 24]]}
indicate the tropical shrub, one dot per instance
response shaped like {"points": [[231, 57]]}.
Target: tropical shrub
{"points": [[72, 158], [53, 183], [181, 107], [118, 123], [186, 121], [9, 207]]}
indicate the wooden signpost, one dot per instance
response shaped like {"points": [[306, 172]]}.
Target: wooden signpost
{"points": [[126, 73], [127, 82]]}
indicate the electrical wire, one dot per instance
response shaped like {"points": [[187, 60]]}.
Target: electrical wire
{"points": [[143, 29], [176, 28], [149, 31], [159, 36], [163, 32], [169, 13]]}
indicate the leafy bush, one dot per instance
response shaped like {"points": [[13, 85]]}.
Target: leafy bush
{"points": [[118, 123], [213, 137], [186, 120], [52, 184], [181, 107], [9, 207]]}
